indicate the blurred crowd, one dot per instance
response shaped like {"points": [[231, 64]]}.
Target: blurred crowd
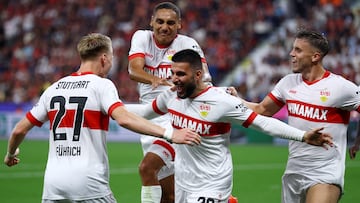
{"points": [[38, 39], [340, 24]]}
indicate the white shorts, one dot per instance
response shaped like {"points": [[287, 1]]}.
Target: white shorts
{"points": [[107, 199], [295, 187], [161, 147], [182, 196], [167, 153]]}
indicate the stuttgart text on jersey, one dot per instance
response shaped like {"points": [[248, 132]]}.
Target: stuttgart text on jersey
{"points": [[68, 150], [73, 85]]}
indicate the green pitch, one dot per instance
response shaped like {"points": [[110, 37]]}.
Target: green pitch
{"points": [[257, 173]]}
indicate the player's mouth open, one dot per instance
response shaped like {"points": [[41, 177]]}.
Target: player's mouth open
{"points": [[179, 88]]}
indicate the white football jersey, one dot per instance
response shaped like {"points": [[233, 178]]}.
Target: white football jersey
{"points": [[158, 58], [78, 109], [206, 167], [324, 103], [158, 63]]}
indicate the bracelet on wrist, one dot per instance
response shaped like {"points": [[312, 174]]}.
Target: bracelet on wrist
{"points": [[168, 134], [8, 154]]}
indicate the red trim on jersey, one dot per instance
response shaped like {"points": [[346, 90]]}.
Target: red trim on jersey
{"points": [[96, 120], [358, 109], [132, 56], [167, 146], [316, 113], [277, 102], [249, 120], [203, 128], [203, 60], [162, 46], [202, 92], [92, 119], [81, 73], [326, 74], [114, 106], [156, 109], [33, 120]]}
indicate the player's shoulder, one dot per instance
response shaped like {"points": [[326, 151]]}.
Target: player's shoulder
{"points": [[342, 83], [143, 33], [185, 39], [220, 93], [291, 78]]}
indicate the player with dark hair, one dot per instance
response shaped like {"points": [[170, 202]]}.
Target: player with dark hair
{"points": [[149, 64], [313, 97], [203, 173]]}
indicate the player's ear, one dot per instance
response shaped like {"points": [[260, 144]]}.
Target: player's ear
{"points": [[316, 57], [151, 21], [199, 74], [179, 25], [102, 60]]}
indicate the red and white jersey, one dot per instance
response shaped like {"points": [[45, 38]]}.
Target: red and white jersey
{"points": [[324, 103], [158, 58], [78, 109], [206, 167]]}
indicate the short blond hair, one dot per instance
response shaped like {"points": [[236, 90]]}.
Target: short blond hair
{"points": [[92, 45]]}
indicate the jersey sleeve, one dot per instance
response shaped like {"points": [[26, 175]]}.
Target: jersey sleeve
{"points": [[236, 112], [192, 44], [109, 96], [38, 114], [351, 95], [138, 41], [160, 103], [277, 94]]}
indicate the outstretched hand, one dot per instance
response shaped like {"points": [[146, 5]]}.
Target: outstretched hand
{"points": [[186, 136], [12, 160], [317, 138]]}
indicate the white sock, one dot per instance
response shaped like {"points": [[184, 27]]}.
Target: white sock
{"points": [[151, 194]]}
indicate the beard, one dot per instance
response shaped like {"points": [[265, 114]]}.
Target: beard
{"points": [[185, 91]]}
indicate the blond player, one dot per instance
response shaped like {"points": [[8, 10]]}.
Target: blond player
{"points": [[78, 110]]}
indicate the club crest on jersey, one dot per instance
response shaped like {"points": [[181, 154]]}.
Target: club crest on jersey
{"points": [[204, 110], [170, 53], [324, 95]]}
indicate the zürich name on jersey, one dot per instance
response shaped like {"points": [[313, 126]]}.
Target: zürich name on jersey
{"points": [[317, 113]]}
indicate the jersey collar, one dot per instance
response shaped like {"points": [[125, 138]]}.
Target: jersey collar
{"points": [[81, 73], [162, 46], [325, 75]]}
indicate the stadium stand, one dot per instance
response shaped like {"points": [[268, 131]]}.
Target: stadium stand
{"points": [[37, 39]]}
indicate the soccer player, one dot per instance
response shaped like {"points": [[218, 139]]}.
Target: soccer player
{"points": [[78, 109], [313, 97], [149, 64], [203, 173]]}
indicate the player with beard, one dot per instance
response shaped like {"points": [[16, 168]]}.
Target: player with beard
{"points": [[204, 173], [149, 65]]}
